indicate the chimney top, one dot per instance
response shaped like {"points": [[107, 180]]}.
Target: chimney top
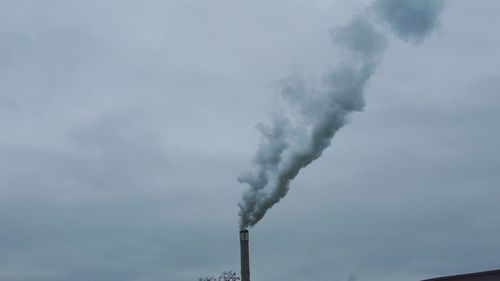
{"points": [[243, 235]]}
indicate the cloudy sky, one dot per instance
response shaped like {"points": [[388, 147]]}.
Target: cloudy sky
{"points": [[124, 125]]}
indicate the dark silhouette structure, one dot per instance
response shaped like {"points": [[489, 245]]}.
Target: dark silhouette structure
{"points": [[245, 256], [492, 275], [224, 276]]}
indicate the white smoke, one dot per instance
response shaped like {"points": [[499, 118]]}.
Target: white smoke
{"points": [[314, 113]]}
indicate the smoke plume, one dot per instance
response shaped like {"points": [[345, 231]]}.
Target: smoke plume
{"points": [[299, 133]]}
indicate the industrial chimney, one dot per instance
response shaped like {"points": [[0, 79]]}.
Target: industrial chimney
{"points": [[245, 258]]}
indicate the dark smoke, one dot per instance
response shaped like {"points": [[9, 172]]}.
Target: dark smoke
{"points": [[299, 133], [410, 20]]}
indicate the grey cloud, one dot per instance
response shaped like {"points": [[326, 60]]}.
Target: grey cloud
{"points": [[352, 277], [360, 38], [316, 113], [315, 116], [411, 20], [123, 126]]}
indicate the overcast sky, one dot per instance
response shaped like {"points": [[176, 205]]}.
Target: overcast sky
{"points": [[124, 125]]}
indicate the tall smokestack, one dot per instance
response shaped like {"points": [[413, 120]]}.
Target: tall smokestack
{"points": [[245, 258]]}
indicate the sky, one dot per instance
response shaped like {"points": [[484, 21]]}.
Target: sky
{"points": [[125, 124]]}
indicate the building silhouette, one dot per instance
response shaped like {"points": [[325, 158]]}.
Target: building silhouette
{"points": [[492, 275]]}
